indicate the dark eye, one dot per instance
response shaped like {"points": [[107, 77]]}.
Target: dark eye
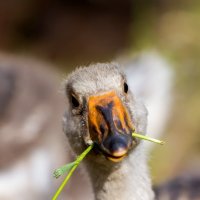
{"points": [[75, 102], [125, 87]]}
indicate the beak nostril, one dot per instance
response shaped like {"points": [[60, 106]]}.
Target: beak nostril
{"points": [[119, 125], [102, 129]]}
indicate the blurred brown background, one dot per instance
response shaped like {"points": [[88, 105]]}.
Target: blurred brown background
{"points": [[72, 33]]}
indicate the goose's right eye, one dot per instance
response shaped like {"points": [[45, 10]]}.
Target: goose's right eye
{"points": [[125, 87], [75, 102]]}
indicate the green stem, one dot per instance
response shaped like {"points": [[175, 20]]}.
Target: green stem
{"points": [[76, 163], [144, 137]]}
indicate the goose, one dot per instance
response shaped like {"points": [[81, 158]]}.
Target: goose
{"points": [[26, 111], [101, 109]]}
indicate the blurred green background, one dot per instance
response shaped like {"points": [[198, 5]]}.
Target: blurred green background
{"points": [[72, 33]]}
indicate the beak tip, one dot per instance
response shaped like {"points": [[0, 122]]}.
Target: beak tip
{"points": [[120, 152], [117, 145]]}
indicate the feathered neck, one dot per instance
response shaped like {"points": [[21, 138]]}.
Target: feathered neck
{"points": [[128, 180]]}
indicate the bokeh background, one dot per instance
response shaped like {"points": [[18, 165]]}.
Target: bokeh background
{"points": [[65, 34]]}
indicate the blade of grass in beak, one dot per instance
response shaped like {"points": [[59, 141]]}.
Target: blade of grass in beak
{"points": [[144, 137], [72, 166], [75, 165]]}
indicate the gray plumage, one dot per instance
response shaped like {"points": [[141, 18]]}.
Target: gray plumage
{"points": [[128, 179]]}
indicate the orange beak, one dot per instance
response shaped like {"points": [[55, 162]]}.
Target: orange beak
{"points": [[110, 125]]}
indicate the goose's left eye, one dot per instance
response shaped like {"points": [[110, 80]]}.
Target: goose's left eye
{"points": [[125, 87], [75, 102]]}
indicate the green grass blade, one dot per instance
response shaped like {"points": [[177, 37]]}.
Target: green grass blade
{"points": [[75, 165], [64, 183], [144, 137]]}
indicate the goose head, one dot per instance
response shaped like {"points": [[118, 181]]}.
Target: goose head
{"points": [[101, 109]]}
